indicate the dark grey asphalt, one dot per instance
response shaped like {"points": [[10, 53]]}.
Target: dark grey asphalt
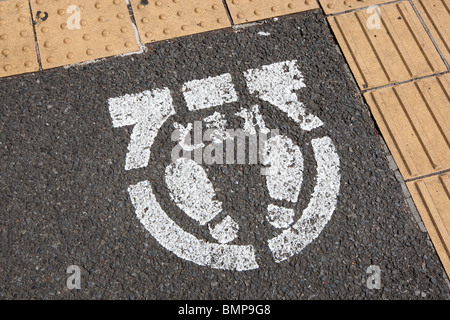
{"points": [[63, 187]]}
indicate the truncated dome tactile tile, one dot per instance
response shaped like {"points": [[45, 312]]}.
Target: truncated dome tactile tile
{"points": [[158, 20], [17, 46], [243, 11], [72, 31]]}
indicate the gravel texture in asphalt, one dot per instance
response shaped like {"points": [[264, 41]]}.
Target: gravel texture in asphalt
{"points": [[63, 183]]}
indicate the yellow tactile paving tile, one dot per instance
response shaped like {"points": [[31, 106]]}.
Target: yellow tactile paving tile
{"points": [[72, 31], [17, 44], [436, 16], [165, 19], [336, 6], [394, 48], [414, 119], [432, 198], [243, 11]]}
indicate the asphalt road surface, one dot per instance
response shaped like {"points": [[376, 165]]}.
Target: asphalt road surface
{"points": [[64, 198]]}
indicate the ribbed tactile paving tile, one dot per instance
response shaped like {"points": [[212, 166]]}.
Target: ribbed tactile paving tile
{"points": [[399, 50], [104, 28], [165, 19], [414, 119], [335, 6], [17, 44], [436, 16], [432, 198], [243, 11]]}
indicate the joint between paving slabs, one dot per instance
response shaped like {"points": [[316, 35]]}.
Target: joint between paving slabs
{"points": [[38, 55], [429, 34], [437, 173], [360, 9], [142, 47], [405, 81], [225, 4]]}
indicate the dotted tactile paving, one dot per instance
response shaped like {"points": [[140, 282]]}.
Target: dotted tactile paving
{"points": [[436, 16], [72, 31], [393, 48], [158, 20], [243, 11], [414, 119], [432, 198], [335, 6], [17, 43]]}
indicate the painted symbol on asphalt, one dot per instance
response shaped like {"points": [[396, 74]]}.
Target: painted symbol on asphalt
{"points": [[192, 191]]}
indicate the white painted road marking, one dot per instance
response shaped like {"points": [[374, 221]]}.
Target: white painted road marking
{"points": [[182, 243], [190, 187], [280, 217], [284, 177], [276, 84], [192, 191], [147, 111], [320, 208], [209, 92]]}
